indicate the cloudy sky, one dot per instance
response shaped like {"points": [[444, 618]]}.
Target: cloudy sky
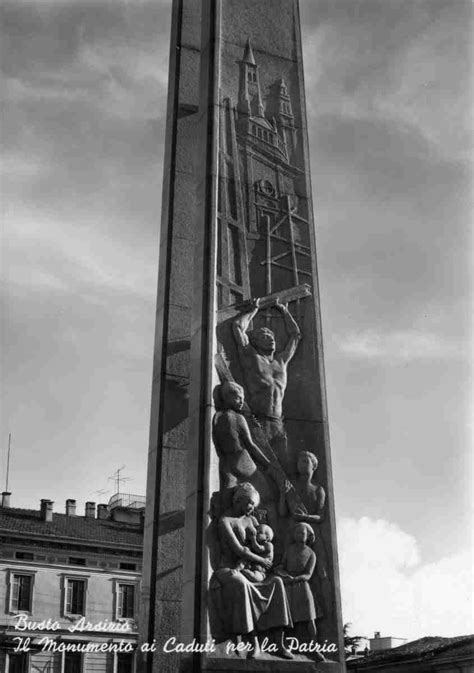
{"points": [[389, 94]]}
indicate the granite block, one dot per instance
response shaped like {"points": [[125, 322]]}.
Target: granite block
{"points": [[185, 206], [181, 273], [187, 142], [177, 361], [175, 413], [173, 479], [179, 322], [270, 25]]}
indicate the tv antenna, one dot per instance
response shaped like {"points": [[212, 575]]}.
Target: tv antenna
{"points": [[102, 491], [116, 476]]}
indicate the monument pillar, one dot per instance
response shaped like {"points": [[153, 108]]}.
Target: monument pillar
{"points": [[240, 547]]}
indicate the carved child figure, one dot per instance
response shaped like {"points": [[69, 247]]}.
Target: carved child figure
{"points": [[261, 545], [296, 568]]}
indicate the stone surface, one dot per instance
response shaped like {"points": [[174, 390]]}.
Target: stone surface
{"points": [[238, 225], [269, 663]]}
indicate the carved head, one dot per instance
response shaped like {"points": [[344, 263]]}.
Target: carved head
{"points": [[229, 395], [232, 395], [215, 505], [302, 532], [263, 339], [264, 533], [246, 499], [307, 462]]}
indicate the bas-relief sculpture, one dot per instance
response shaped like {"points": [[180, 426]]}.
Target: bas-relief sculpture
{"points": [[265, 373], [239, 606], [296, 569], [268, 557]]}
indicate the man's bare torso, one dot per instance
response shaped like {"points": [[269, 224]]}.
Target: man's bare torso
{"points": [[265, 379]]}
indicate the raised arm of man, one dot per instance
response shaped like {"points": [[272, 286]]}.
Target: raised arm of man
{"points": [[242, 323], [293, 331]]}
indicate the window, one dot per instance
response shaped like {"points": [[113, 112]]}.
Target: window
{"points": [[24, 555], [21, 592], [124, 662], [18, 662], [72, 662], [125, 601], [75, 596], [127, 566], [75, 561]]}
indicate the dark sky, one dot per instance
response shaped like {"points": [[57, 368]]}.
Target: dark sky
{"points": [[389, 97]]}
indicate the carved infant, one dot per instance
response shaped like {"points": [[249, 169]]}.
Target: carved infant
{"points": [[261, 545]]}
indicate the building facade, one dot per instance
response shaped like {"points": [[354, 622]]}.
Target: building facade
{"points": [[69, 589], [378, 642]]}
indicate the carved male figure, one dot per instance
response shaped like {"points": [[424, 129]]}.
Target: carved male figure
{"points": [[265, 372]]}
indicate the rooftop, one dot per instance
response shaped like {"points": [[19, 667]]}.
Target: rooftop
{"points": [[88, 529], [423, 648]]}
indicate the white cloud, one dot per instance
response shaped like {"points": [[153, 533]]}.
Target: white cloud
{"points": [[386, 588], [45, 88], [400, 345], [427, 92], [43, 254], [121, 73], [21, 166], [133, 78], [128, 91], [54, 4], [359, 70]]}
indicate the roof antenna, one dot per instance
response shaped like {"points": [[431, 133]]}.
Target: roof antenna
{"points": [[118, 479]]}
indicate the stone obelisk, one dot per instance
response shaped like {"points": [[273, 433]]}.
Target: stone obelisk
{"points": [[240, 557]]}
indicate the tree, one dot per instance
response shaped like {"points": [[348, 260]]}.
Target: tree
{"points": [[350, 642]]}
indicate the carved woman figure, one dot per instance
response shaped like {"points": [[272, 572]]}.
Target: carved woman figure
{"points": [[238, 453], [313, 495], [238, 606], [240, 459]]}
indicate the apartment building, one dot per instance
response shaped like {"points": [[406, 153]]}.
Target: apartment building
{"points": [[69, 587]]}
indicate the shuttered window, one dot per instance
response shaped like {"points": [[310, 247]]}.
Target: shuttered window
{"points": [[21, 597], [126, 601], [75, 596]]}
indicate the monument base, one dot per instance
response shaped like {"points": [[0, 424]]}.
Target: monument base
{"points": [[221, 661], [297, 665]]}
